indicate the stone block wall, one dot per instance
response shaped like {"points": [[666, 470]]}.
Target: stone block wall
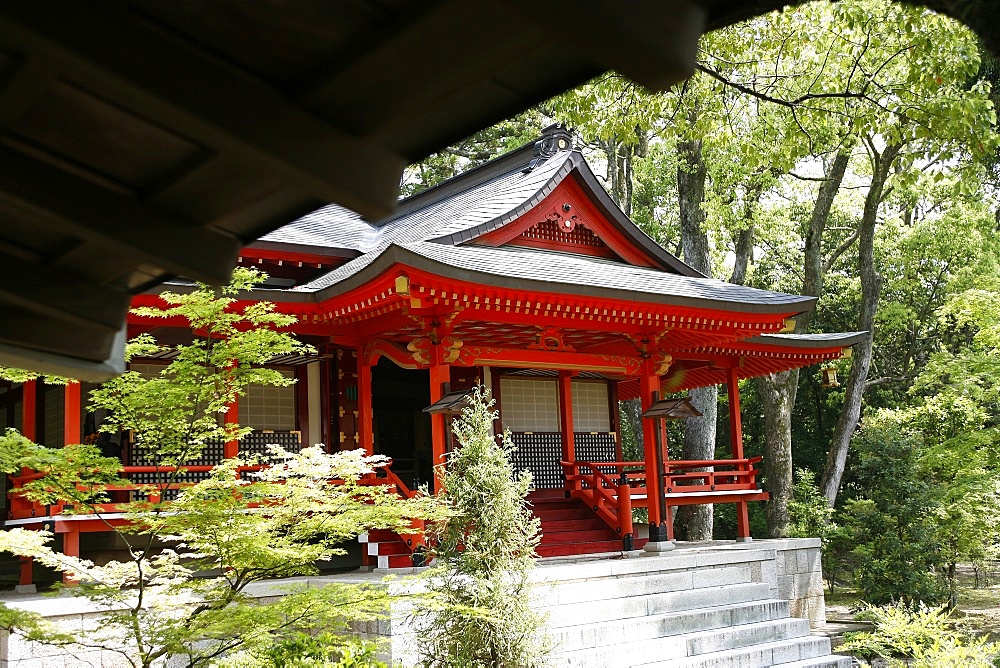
{"points": [[799, 577]]}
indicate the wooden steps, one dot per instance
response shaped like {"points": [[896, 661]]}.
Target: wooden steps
{"points": [[385, 549], [569, 527]]}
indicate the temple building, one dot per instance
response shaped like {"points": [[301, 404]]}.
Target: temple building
{"points": [[523, 276]]}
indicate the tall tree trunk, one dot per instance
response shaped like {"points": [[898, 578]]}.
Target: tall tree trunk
{"points": [[743, 241], [871, 287], [695, 522], [778, 391], [620, 157], [744, 252]]}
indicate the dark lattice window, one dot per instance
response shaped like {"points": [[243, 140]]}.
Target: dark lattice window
{"points": [[540, 453]]}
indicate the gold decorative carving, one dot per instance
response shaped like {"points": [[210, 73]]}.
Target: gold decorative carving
{"points": [[631, 365], [402, 285], [469, 356], [450, 349], [563, 220], [661, 363], [421, 350], [646, 344], [380, 347], [550, 339]]}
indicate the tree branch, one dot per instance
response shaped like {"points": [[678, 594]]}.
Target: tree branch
{"points": [[841, 249], [791, 104]]}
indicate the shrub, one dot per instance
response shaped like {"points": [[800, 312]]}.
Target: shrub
{"points": [[893, 525], [481, 611], [919, 637]]}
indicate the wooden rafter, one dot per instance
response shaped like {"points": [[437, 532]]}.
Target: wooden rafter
{"points": [[169, 82]]}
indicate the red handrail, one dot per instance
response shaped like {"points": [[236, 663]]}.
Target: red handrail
{"points": [[614, 508], [22, 508]]}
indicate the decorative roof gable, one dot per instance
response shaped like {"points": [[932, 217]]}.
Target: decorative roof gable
{"points": [[497, 204], [569, 235], [569, 219]]}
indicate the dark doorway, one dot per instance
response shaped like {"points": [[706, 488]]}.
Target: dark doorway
{"points": [[401, 429]]}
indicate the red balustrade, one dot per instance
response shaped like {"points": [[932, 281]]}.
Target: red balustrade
{"points": [[686, 482]]}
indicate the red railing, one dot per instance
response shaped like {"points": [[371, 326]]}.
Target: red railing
{"points": [[610, 499], [23, 508], [686, 482], [711, 475]]}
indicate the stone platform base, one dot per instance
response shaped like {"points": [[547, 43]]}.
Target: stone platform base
{"points": [[770, 592]]}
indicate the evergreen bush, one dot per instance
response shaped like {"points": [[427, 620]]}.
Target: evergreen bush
{"points": [[481, 611]]}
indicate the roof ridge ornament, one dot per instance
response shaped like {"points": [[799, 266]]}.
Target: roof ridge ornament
{"points": [[555, 138]]}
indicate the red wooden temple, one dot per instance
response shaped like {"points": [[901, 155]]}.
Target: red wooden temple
{"points": [[521, 275]]}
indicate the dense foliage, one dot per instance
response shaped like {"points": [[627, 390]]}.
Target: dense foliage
{"points": [[185, 590], [921, 637]]}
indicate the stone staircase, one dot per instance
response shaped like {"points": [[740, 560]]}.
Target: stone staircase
{"points": [[692, 610]]}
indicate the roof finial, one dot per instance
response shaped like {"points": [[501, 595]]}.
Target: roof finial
{"points": [[554, 138]]}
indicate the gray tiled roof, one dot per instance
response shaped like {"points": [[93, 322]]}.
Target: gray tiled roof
{"points": [[332, 226], [527, 268], [425, 216]]}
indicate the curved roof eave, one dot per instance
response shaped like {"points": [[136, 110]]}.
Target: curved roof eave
{"points": [[575, 162], [809, 341], [394, 254]]}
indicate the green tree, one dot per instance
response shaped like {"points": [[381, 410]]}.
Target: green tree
{"points": [[473, 151], [189, 600], [892, 524], [482, 612]]}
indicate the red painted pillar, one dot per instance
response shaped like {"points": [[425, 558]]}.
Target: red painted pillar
{"points": [[71, 414], [735, 419], [232, 448], [440, 376], [29, 410], [25, 580], [648, 384], [71, 547], [736, 440], [566, 415], [366, 435], [29, 429]]}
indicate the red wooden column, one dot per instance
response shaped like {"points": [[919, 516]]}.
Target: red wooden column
{"points": [[660, 529], [232, 448], [71, 414], [29, 410], [566, 415], [366, 435], [72, 434], [736, 440], [71, 548], [29, 429], [440, 377]]}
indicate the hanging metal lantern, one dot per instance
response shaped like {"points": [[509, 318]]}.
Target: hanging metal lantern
{"points": [[830, 377]]}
